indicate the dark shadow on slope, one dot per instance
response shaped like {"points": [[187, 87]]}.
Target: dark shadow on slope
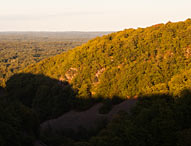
{"points": [[18, 124], [29, 100], [154, 119], [53, 99], [1, 91], [48, 97]]}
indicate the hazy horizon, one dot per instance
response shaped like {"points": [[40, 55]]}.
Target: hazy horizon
{"points": [[88, 16]]}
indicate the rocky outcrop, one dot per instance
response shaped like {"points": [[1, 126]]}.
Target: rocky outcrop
{"points": [[187, 52], [96, 78], [69, 75]]}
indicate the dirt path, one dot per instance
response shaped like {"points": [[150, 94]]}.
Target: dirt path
{"points": [[86, 119]]}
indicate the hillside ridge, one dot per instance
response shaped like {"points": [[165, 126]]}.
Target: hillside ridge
{"points": [[128, 63]]}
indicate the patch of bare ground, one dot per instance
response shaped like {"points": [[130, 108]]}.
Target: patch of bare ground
{"points": [[87, 119]]}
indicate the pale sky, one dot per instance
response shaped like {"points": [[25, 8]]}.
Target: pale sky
{"points": [[89, 15]]}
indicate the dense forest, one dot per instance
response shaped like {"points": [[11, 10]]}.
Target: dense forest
{"points": [[128, 88], [18, 50], [29, 100], [128, 64]]}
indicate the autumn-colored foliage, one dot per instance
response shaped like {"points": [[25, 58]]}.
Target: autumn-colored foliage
{"points": [[128, 63]]}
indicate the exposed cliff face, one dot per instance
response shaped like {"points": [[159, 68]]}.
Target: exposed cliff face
{"points": [[187, 52], [97, 75], [69, 75]]}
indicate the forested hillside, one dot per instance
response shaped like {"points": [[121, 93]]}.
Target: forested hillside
{"points": [[20, 49], [96, 81], [128, 64]]}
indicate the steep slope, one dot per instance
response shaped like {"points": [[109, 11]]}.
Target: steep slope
{"points": [[129, 63], [88, 119]]}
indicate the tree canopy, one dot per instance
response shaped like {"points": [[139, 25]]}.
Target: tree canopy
{"points": [[128, 63]]}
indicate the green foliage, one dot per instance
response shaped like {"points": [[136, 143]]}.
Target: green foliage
{"points": [[48, 97], [108, 104], [156, 120], [128, 63], [18, 50], [18, 124], [152, 63], [180, 82]]}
